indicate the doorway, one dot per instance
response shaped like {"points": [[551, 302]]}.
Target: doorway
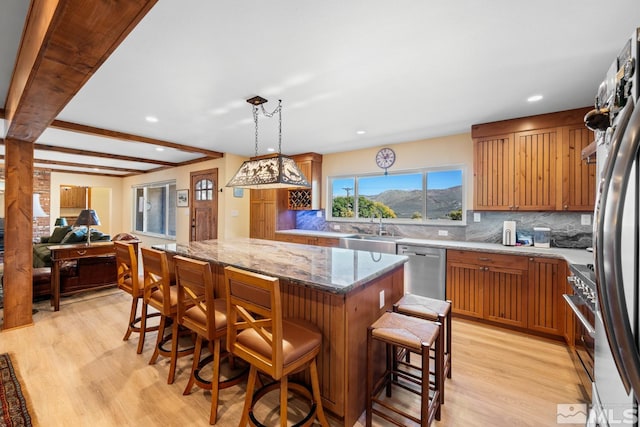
{"points": [[204, 205]]}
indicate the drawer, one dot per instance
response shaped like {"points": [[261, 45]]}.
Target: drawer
{"points": [[81, 251], [518, 262]]}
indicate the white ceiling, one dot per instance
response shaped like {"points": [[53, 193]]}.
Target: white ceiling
{"points": [[401, 71]]}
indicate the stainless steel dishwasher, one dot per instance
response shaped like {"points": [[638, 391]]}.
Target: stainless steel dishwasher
{"points": [[424, 274]]}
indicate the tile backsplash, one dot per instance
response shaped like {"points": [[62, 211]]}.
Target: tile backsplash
{"points": [[567, 230]]}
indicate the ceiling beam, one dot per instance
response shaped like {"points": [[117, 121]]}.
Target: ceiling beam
{"points": [[64, 43], [84, 165], [90, 130], [66, 150]]}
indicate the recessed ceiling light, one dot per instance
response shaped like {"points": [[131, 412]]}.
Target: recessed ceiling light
{"points": [[151, 119], [159, 148], [361, 132], [534, 98]]}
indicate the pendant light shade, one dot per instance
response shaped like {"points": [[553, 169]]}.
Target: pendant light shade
{"points": [[277, 171], [273, 172]]}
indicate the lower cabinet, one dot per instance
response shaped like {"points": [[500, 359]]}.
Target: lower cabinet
{"points": [[547, 307], [308, 240], [513, 290]]}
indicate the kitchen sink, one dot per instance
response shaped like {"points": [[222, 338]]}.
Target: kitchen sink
{"points": [[370, 242]]}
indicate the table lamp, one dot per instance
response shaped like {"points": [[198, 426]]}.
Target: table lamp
{"points": [[87, 217], [61, 222]]}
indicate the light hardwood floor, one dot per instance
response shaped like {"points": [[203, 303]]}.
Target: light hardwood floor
{"points": [[77, 371]]}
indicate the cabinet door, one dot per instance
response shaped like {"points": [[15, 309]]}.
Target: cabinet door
{"points": [[464, 288], [536, 169], [546, 305], [578, 176], [505, 293], [494, 172]]}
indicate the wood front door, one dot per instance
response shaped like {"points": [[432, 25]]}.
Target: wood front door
{"points": [[204, 205]]}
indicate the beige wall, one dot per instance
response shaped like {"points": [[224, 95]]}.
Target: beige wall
{"points": [[107, 187], [455, 150], [233, 212]]}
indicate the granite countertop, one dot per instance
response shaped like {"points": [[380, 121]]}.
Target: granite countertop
{"points": [[572, 256], [334, 270]]}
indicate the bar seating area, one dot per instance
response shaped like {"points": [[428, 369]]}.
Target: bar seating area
{"points": [[244, 324]]}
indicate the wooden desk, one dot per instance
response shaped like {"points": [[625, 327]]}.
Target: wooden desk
{"points": [[61, 253]]}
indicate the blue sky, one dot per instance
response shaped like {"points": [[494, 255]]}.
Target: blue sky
{"points": [[378, 184]]}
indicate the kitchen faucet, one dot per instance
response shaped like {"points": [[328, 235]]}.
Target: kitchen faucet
{"points": [[381, 230]]}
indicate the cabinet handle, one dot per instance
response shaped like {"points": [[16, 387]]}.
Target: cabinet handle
{"points": [[484, 259], [81, 252], [565, 207]]}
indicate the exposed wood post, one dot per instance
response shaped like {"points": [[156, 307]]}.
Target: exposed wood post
{"points": [[18, 252], [63, 44]]}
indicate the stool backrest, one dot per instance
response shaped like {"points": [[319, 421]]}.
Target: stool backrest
{"points": [[253, 303], [195, 289], [156, 276], [127, 264]]}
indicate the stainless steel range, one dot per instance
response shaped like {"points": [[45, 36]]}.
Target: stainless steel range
{"points": [[583, 305]]}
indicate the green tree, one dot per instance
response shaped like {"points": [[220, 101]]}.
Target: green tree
{"points": [[343, 208], [455, 215]]}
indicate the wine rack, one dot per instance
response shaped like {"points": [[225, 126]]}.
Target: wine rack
{"points": [[299, 199]]}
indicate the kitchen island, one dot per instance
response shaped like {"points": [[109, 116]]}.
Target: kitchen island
{"points": [[340, 290]]}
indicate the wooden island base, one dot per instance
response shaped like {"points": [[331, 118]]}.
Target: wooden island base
{"points": [[343, 320]]}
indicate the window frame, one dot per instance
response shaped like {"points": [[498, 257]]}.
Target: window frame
{"points": [[400, 221], [170, 204]]}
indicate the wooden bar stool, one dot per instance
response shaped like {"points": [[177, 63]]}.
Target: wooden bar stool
{"points": [[434, 310], [159, 294], [206, 316], [130, 281], [397, 331], [275, 346]]}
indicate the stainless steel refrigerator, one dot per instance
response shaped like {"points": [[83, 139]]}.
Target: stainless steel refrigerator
{"points": [[616, 119]]}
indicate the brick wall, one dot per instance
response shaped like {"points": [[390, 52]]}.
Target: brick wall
{"points": [[42, 186]]}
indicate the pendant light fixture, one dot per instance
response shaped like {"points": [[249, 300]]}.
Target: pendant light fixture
{"points": [[278, 171]]}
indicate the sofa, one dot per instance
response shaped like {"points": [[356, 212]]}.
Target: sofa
{"points": [[75, 275]]}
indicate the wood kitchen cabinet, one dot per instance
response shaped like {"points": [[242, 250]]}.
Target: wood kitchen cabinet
{"points": [[488, 285], [73, 197], [533, 164], [274, 209], [263, 214], [308, 240], [519, 291], [310, 165], [547, 307], [579, 181], [516, 171]]}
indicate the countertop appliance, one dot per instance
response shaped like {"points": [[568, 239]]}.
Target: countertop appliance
{"points": [[509, 233], [616, 388], [425, 271]]}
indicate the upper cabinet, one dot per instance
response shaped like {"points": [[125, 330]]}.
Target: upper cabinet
{"points": [[73, 197], [533, 164], [307, 198]]}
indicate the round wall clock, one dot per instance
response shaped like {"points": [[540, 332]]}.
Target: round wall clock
{"points": [[385, 158]]}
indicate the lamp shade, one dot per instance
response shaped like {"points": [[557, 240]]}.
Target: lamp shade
{"points": [[87, 217], [61, 222], [38, 212], [271, 172]]}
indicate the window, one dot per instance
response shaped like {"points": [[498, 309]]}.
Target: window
{"points": [[426, 196], [155, 209]]}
